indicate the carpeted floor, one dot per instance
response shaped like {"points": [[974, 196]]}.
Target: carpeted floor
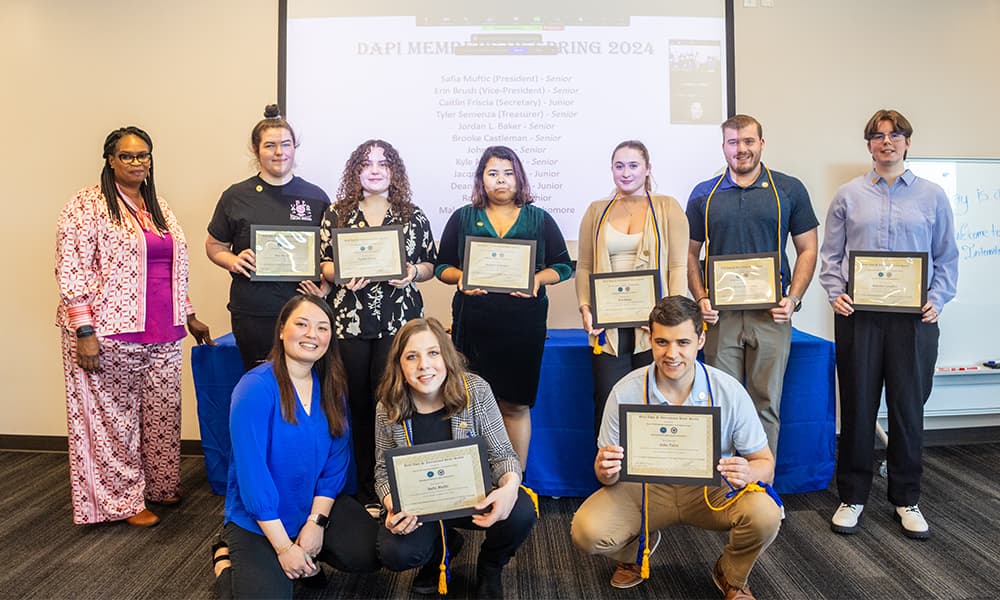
{"points": [[43, 555]]}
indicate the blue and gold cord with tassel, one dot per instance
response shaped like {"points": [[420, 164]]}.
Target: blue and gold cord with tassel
{"points": [[602, 338]]}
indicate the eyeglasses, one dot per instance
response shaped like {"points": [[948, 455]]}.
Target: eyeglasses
{"points": [[142, 158], [878, 136]]}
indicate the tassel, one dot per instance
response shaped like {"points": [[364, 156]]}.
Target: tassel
{"points": [[643, 559], [534, 498], [599, 344], [644, 571], [443, 577]]}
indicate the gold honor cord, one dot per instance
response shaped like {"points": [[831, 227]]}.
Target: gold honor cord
{"points": [[777, 200]]}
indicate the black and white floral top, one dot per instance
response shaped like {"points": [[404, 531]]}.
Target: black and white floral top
{"points": [[378, 309]]}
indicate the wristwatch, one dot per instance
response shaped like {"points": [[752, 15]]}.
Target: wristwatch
{"points": [[796, 300], [84, 331], [321, 520]]}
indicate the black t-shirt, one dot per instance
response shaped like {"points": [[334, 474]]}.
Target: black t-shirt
{"points": [[432, 427], [256, 202]]}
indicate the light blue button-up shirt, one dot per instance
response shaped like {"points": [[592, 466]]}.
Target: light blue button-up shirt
{"points": [[913, 215]]}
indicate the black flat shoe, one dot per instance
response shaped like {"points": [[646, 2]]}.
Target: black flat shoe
{"points": [[218, 544]]}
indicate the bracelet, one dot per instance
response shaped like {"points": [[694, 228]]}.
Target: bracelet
{"points": [[285, 549], [702, 298]]}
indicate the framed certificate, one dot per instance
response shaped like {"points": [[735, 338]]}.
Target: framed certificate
{"points": [[441, 480], [286, 253], [744, 281], [375, 253], [888, 281], [623, 299], [499, 265], [670, 444]]}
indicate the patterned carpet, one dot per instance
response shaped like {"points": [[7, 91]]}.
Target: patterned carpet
{"points": [[46, 556]]}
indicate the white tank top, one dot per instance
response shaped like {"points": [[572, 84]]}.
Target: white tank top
{"points": [[622, 247]]}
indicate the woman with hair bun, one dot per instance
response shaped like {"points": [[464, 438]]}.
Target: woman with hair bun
{"points": [[122, 270], [274, 196]]}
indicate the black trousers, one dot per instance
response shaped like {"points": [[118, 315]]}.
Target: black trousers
{"points": [[254, 337], [898, 351], [503, 538], [349, 546], [608, 369], [365, 362]]}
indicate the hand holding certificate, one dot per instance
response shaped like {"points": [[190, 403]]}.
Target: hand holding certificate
{"points": [[888, 281], [372, 253], [286, 253], [499, 265], [744, 281], [623, 299], [442, 480], [670, 444]]}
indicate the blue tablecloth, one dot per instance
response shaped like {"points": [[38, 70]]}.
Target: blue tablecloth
{"points": [[561, 457]]}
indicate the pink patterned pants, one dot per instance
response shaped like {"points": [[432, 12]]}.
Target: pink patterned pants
{"points": [[124, 428]]}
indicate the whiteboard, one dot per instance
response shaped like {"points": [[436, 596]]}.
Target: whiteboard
{"points": [[970, 327]]}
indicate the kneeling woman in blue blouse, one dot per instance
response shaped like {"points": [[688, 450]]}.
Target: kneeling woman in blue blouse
{"points": [[291, 452], [428, 396]]}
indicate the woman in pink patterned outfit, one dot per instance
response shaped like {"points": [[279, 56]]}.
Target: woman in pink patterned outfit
{"points": [[122, 270]]}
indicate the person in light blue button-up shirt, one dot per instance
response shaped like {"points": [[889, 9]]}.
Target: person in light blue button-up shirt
{"points": [[887, 209]]}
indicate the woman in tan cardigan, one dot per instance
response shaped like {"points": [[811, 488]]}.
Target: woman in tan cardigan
{"points": [[631, 230]]}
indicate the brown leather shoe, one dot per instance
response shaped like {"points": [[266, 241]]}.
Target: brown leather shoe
{"points": [[626, 575], [731, 592], [146, 518]]}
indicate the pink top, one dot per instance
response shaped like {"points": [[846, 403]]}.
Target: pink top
{"points": [[159, 328]]}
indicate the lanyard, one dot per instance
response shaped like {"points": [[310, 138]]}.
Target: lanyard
{"points": [[656, 228], [777, 201], [408, 423]]}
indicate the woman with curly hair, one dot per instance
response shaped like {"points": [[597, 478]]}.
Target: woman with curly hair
{"points": [[374, 191], [503, 335]]}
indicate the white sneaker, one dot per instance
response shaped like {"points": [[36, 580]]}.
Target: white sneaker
{"points": [[914, 524], [845, 520]]}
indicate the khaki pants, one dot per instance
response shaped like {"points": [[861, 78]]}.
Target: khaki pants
{"points": [[751, 347], [608, 522]]}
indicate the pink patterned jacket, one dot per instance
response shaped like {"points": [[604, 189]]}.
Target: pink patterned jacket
{"points": [[101, 267]]}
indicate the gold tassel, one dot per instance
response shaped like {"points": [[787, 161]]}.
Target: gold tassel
{"points": [[443, 577], [534, 498], [644, 571], [598, 348]]}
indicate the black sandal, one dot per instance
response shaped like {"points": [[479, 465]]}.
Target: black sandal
{"points": [[217, 545]]}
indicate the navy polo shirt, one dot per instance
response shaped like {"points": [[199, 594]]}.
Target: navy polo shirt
{"points": [[745, 220]]}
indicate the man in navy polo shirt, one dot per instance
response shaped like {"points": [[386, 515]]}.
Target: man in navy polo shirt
{"points": [[750, 209]]}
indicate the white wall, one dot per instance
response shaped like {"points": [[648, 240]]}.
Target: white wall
{"points": [[196, 74]]}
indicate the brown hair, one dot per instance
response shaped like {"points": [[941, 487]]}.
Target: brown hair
{"points": [[738, 122], [635, 145], [899, 123], [671, 311], [394, 392], [523, 195], [351, 192], [330, 368], [272, 120]]}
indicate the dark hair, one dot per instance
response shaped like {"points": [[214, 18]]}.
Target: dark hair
{"points": [[899, 123], [272, 120], [394, 392], [674, 310], [330, 368], [147, 188], [523, 195], [350, 191], [738, 122], [635, 145]]}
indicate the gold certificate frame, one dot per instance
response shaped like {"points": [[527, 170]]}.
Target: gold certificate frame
{"points": [[888, 281], [286, 253], [372, 253], [623, 299], [440, 480], [744, 281], [670, 444], [499, 265]]}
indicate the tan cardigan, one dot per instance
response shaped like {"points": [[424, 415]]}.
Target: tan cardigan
{"points": [[674, 241]]}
